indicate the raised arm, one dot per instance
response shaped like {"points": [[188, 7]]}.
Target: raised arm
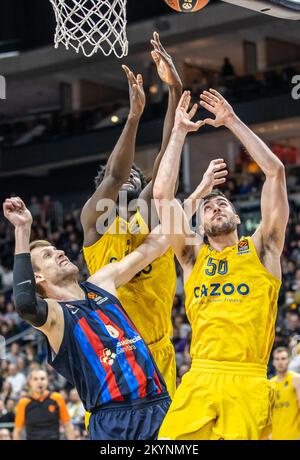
{"points": [[119, 163], [214, 175], [120, 273], [269, 237], [40, 313], [175, 224], [168, 74]]}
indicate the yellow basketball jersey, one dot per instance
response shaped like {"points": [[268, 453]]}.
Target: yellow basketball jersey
{"points": [[148, 297], [231, 303], [286, 412]]}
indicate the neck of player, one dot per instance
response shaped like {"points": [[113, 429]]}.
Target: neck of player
{"points": [[221, 242], [69, 290]]}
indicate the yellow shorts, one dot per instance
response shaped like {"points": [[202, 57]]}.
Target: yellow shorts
{"points": [[164, 356], [219, 400]]}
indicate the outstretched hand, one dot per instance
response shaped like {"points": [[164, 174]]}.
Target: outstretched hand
{"points": [[215, 103], [16, 212], [164, 63], [183, 117], [136, 92], [214, 175]]}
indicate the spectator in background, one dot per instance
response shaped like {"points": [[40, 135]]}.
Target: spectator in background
{"points": [[47, 211], [16, 379], [14, 353], [6, 275], [30, 355], [5, 435], [8, 414], [35, 208], [76, 409], [11, 314], [293, 323], [6, 391], [227, 69]]}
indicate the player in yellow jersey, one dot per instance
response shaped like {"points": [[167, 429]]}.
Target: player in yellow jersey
{"points": [[148, 298], [231, 288], [286, 412]]}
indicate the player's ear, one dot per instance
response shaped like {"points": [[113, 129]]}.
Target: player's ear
{"points": [[237, 218], [39, 278]]}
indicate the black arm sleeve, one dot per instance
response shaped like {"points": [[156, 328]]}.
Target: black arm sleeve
{"points": [[29, 306]]}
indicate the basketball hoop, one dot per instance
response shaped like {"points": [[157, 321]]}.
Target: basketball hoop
{"points": [[90, 25]]}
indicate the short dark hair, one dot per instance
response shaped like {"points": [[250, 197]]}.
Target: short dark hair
{"points": [[281, 350], [215, 193], [101, 173]]}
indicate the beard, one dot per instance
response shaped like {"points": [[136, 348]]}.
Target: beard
{"points": [[221, 228], [131, 194]]}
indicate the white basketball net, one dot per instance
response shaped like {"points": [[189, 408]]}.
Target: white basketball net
{"points": [[90, 25]]}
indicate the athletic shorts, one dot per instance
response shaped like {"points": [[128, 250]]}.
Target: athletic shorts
{"points": [[163, 353], [220, 401], [136, 420]]}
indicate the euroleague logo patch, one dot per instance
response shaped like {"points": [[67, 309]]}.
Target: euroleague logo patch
{"points": [[187, 5], [243, 247], [92, 295], [51, 408]]}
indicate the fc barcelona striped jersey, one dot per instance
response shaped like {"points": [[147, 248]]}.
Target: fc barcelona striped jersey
{"points": [[102, 354]]}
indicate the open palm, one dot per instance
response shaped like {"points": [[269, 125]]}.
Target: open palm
{"points": [[164, 63], [136, 92], [215, 103], [183, 117]]}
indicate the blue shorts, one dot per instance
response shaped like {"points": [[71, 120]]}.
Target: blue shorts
{"points": [[134, 420]]}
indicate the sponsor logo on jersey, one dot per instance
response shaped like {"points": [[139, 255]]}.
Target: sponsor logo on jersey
{"points": [[243, 247], [113, 332], [127, 344], [92, 295], [218, 289], [108, 357], [72, 308], [99, 300]]}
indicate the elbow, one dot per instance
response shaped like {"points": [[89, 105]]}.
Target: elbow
{"points": [[161, 193], [24, 306], [117, 176], [278, 170], [22, 310]]}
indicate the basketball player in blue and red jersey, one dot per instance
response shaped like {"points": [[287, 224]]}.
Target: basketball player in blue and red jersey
{"points": [[91, 340]]}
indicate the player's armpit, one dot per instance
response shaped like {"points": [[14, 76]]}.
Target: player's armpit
{"points": [[55, 325]]}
